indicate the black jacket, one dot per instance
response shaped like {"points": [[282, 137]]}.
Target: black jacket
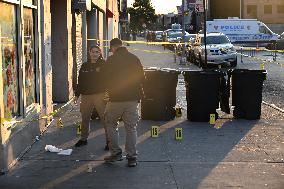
{"points": [[125, 76], [91, 78]]}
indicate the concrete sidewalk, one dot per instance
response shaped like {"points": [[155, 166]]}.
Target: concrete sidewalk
{"points": [[240, 154]]}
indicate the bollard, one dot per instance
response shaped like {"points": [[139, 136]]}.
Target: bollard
{"points": [[242, 55], [175, 54], [262, 66], [274, 55]]}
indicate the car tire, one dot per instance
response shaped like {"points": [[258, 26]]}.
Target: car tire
{"points": [[234, 63]]}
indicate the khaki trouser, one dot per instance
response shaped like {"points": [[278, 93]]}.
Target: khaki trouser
{"points": [[87, 105], [128, 111]]}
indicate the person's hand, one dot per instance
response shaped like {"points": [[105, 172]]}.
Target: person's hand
{"points": [[76, 99]]}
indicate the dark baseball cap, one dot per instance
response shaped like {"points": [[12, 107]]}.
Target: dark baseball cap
{"points": [[115, 42]]}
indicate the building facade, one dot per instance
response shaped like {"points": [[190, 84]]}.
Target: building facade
{"points": [[217, 9], [270, 12], [43, 43]]}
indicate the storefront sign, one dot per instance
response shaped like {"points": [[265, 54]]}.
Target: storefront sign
{"points": [[81, 5]]}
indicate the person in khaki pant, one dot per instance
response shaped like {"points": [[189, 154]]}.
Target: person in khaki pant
{"points": [[124, 85], [91, 88]]}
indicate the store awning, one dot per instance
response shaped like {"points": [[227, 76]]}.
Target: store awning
{"points": [[109, 14]]}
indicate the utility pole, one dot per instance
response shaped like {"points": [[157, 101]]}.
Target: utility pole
{"points": [[183, 34], [205, 30], [240, 9]]}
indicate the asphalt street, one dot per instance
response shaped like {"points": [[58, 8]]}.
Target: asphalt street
{"points": [[273, 91]]}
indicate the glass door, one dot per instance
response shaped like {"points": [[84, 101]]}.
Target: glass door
{"points": [[29, 57]]}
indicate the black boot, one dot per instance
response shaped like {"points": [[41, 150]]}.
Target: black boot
{"points": [[81, 143], [106, 147]]}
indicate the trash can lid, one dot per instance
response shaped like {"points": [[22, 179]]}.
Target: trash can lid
{"points": [[161, 70], [246, 71], [201, 72]]}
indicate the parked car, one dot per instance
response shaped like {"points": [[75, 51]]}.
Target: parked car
{"points": [[219, 50], [159, 36], [169, 31], [175, 37], [279, 44]]}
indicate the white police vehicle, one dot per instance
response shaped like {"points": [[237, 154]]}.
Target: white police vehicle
{"points": [[242, 30], [219, 50]]}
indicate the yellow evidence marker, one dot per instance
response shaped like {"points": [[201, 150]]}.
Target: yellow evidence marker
{"points": [[155, 131], [178, 112], [262, 66], [59, 123], [79, 128], [212, 119], [178, 133]]}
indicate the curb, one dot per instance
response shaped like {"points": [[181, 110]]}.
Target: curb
{"points": [[273, 106]]}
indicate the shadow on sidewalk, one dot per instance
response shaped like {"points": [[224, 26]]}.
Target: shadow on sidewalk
{"points": [[163, 162]]}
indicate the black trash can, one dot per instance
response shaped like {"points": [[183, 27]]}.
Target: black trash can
{"points": [[160, 94], [247, 92], [202, 94]]}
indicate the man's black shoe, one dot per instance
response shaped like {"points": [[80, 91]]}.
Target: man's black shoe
{"points": [[132, 162], [106, 147], [81, 143]]}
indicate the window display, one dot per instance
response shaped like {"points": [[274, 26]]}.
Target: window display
{"points": [[8, 53]]}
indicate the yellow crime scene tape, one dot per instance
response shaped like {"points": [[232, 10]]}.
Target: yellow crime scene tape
{"points": [[151, 51], [12, 121], [261, 59], [172, 43], [258, 49], [139, 42], [169, 43]]}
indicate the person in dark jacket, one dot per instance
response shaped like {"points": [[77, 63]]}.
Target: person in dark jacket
{"points": [[148, 36], [125, 76], [91, 88]]}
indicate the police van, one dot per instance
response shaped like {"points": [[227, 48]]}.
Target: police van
{"points": [[242, 30]]}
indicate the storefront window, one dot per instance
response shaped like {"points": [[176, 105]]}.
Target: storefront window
{"points": [[8, 53], [29, 58]]}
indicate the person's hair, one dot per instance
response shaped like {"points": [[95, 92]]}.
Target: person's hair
{"points": [[115, 42], [95, 47]]}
